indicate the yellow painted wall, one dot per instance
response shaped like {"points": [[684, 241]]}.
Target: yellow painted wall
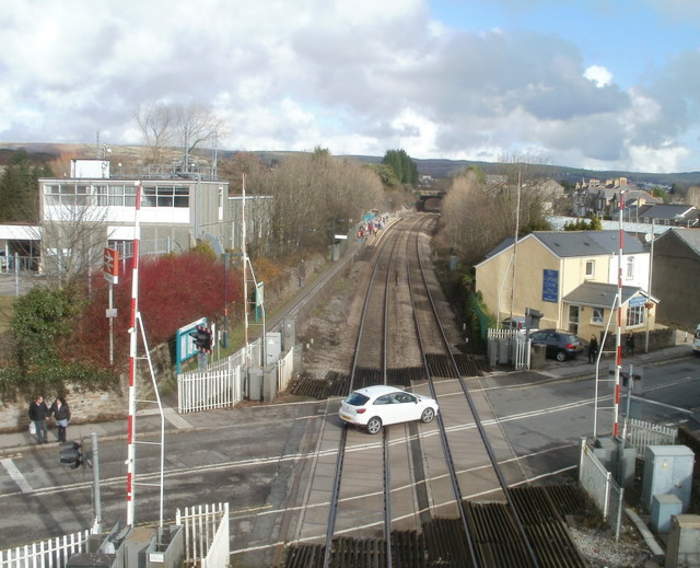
{"points": [[494, 277]]}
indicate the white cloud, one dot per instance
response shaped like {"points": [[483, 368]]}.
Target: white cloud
{"points": [[355, 77], [598, 75]]}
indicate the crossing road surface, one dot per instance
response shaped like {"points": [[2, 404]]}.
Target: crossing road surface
{"points": [[251, 457]]}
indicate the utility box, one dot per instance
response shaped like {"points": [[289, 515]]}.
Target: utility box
{"points": [[668, 469], [92, 560], [663, 507], [684, 542], [255, 383], [270, 383], [537, 355]]}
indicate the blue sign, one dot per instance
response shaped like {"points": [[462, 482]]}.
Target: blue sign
{"points": [[184, 343], [636, 301], [550, 286]]}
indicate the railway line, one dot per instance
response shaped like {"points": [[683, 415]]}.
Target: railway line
{"points": [[412, 484]]}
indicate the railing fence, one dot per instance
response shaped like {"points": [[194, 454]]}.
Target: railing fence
{"points": [[508, 346], [641, 433], [602, 488], [285, 370], [51, 553], [206, 390], [206, 530]]}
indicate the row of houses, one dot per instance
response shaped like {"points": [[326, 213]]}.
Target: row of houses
{"points": [[602, 199], [571, 278]]}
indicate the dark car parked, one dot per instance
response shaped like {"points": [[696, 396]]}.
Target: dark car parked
{"points": [[561, 345]]}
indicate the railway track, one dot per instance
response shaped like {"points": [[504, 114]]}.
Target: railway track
{"points": [[521, 528]]}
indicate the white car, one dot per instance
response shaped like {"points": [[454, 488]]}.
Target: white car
{"points": [[380, 405], [696, 341]]}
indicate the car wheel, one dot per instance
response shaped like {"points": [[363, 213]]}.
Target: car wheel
{"points": [[374, 425], [561, 356], [427, 416]]}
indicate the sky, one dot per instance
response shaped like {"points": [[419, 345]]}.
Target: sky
{"points": [[600, 84]]}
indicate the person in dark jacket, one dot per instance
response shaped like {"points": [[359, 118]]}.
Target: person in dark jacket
{"points": [[38, 413], [61, 412], [592, 349]]}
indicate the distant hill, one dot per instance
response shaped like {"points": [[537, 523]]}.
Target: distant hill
{"points": [[437, 168]]}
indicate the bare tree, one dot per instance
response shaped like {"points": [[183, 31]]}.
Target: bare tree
{"points": [[156, 121], [195, 124]]}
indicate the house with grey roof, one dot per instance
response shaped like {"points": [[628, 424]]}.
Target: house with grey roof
{"points": [[571, 277], [681, 215], [676, 277]]}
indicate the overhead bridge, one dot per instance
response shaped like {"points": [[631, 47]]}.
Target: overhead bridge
{"points": [[429, 200]]}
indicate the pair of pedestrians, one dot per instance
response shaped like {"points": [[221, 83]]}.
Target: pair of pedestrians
{"points": [[39, 413]]}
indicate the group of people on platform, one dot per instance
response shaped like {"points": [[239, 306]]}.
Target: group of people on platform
{"points": [[40, 413]]}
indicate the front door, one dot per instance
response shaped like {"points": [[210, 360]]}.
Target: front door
{"points": [[573, 319]]}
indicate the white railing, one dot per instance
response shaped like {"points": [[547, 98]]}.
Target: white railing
{"points": [[206, 390], [508, 346], [206, 534], [641, 434], [602, 488], [285, 370], [51, 553]]}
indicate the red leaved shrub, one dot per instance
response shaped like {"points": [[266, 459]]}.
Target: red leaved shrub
{"points": [[173, 291]]}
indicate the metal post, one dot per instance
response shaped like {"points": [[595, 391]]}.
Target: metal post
{"points": [[244, 254], [111, 324], [133, 336], [651, 270], [627, 407], [515, 245], [16, 274], [224, 335], [97, 526], [618, 330]]}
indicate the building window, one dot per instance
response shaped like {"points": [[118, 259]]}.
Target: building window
{"points": [[590, 268], [573, 319], [597, 316], [166, 196], [630, 268], [635, 315]]}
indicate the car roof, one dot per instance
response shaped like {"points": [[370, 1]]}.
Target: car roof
{"points": [[377, 390]]}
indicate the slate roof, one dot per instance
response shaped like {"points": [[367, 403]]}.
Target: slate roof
{"points": [[691, 237], [667, 211], [598, 294], [504, 244], [587, 243]]}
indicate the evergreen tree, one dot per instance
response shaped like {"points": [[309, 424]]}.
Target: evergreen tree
{"points": [[402, 164]]}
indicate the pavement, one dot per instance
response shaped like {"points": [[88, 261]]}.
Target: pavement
{"points": [[148, 421]]}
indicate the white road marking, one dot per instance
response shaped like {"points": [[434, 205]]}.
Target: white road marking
{"points": [[16, 474]]}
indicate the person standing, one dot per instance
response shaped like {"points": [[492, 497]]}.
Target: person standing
{"points": [[61, 412], [629, 343], [592, 349], [38, 413]]}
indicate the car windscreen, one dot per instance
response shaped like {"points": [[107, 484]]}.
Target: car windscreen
{"points": [[357, 399]]}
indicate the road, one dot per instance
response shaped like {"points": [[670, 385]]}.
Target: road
{"points": [[253, 457]]}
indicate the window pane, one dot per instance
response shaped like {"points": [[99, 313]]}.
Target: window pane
{"points": [[148, 201], [130, 190], [182, 201], [52, 200], [179, 190], [66, 189], [165, 201], [116, 190], [51, 189], [83, 189], [116, 200], [165, 190], [149, 190], [129, 201]]}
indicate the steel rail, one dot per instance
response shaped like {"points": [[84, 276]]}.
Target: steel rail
{"points": [[333, 509], [441, 426], [475, 413]]}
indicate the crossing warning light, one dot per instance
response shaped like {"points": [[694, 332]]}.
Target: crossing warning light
{"points": [[202, 338]]}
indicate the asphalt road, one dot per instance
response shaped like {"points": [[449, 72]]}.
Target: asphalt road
{"points": [[251, 457]]}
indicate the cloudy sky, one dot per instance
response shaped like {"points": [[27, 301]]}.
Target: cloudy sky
{"points": [[592, 83]]}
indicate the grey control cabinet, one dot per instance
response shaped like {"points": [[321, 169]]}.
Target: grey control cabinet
{"points": [[667, 470]]}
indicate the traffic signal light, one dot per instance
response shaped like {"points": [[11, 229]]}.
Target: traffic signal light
{"points": [[202, 339], [71, 454]]}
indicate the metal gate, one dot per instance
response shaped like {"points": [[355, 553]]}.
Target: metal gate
{"points": [[508, 347]]}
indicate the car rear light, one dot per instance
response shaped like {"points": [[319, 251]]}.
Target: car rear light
{"points": [[569, 346], [360, 410]]}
